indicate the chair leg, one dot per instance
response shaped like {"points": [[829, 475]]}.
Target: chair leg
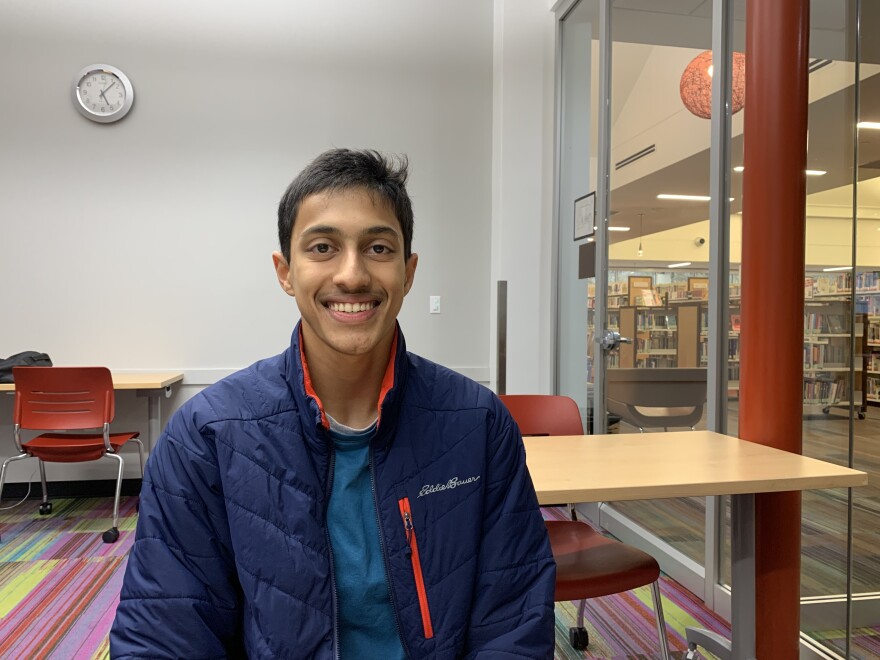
{"points": [[578, 636], [140, 453], [9, 460], [46, 506], [112, 534], [661, 623], [137, 504]]}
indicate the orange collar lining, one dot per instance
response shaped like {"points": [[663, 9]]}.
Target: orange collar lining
{"points": [[387, 380]]}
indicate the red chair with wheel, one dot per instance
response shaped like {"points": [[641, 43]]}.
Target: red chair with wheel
{"points": [[588, 564], [66, 399]]}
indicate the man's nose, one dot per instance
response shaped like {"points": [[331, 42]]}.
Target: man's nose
{"points": [[352, 274]]}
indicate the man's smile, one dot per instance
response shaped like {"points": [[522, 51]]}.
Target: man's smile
{"points": [[351, 308]]}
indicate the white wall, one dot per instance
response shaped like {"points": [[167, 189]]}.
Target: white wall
{"points": [[146, 244]]}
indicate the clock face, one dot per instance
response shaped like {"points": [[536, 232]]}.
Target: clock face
{"points": [[103, 93]]}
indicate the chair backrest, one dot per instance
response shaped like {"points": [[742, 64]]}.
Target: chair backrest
{"points": [[544, 414], [657, 397], [657, 388], [57, 398]]}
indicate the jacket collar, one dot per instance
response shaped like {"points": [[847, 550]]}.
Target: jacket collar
{"points": [[307, 399]]}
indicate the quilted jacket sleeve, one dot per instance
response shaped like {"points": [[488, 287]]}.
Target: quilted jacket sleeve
{"points": [[180, 596], [512, 614]]}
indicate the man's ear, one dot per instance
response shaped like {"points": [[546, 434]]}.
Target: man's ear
{"points": [[282, 271], [411, 264]]}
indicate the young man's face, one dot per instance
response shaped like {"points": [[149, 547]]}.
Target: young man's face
{"points": [[347, 272]]}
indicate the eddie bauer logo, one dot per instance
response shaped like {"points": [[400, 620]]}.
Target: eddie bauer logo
{"points": [[455, 482]]}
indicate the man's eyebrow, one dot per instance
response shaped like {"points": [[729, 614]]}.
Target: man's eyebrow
{"points": [[321, 229], [380, 230], [325, 230]]}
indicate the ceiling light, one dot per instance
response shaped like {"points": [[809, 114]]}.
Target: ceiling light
{"points": [[828, 270], [692, 198], [695, 85], [683, 263], [640, 252], [618, 229], [740, 168], [868, 124]]}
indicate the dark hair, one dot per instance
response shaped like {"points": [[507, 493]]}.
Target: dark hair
{"points": [[337, 170]]}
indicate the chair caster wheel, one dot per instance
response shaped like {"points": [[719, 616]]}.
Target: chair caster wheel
{"points": [[45, 508], [579, 638], [110, 535]]}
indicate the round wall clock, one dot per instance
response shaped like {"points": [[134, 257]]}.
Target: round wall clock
{"points": [[102, 93]]}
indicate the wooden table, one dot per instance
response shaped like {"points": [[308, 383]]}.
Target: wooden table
{"points": [[152, 385], [638, 466]]}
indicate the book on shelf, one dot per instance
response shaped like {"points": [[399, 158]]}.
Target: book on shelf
{"points": [[836, 324], [734, 322]]}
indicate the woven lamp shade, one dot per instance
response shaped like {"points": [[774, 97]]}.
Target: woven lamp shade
{"points": [[696, 84]]}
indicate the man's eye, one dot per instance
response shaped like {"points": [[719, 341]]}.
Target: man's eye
{"points": [[380, 249], [321, 248]]}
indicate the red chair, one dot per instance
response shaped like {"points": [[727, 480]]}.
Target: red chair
{"points": [[63, 399], [588, 564]]}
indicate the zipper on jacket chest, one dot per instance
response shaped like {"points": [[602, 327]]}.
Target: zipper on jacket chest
{"points": [[333, 595], [385, 556], [412, 551]]}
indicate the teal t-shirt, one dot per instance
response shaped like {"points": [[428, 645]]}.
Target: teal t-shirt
{"points": [[365, 617]]}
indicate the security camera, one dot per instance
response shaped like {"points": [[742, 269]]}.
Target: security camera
{"points": [[699, 240]]}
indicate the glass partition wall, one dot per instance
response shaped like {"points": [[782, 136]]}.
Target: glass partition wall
{"points": [[658, 279]]}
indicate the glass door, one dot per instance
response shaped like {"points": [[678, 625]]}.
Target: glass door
{"points": [[578, 111], [659, 243]]}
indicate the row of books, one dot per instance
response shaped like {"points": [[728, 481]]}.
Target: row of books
{"points": [[822, 391], [817, 323], [868, 281], [656, 321], [873, 389], [869, 305], [732, 350], [874, 333], [655, 343], [827, 284], [825, 356]]}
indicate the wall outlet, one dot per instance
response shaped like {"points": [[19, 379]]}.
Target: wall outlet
{"points": [[434, 304]]}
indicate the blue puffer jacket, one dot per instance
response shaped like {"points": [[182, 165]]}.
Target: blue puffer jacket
{"points": [[232, 555]]}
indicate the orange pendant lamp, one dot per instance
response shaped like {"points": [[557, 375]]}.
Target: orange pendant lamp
{"points": [[696, 84]]}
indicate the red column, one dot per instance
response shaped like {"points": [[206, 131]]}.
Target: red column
{"points": [[771, 380]]}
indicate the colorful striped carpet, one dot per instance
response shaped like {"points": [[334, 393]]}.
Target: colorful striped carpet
{"points": [[59, 587]]}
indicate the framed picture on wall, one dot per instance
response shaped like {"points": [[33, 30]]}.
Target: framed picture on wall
{"points": [[584, 216]]}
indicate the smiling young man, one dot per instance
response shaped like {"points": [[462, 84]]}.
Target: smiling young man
{"points": [[345, 499]]}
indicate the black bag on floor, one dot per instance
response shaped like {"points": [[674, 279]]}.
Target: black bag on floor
{"points": [[26, 359]]}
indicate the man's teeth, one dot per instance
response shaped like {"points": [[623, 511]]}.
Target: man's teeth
{"points": [[351, 308]]}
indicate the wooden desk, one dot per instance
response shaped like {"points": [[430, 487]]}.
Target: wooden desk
{"points": [[637, 466], [152, 385]]}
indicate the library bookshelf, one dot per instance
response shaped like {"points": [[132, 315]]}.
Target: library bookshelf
{"points": [[668, 323]]}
